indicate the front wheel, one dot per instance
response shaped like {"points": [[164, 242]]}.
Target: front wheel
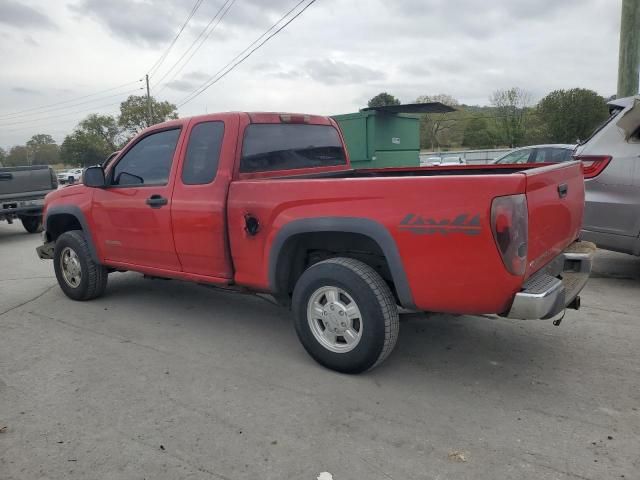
{"points": [[32, 224], [345, 315], [79, 276]]}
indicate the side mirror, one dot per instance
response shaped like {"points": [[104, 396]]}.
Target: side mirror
{"points": [[94, 177]]}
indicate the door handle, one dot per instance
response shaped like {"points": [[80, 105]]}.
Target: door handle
{"points": [[563, 188], [6, 176], [156, 201]]}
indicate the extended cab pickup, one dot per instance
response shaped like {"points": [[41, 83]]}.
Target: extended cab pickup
{"points": [[22, 192], [267, 202]]}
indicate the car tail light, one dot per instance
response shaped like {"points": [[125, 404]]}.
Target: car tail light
{"points": [[510, 226], [593, 165], [54, 178]]}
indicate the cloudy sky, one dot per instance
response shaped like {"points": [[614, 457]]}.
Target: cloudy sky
{"points": [[336, 55]]}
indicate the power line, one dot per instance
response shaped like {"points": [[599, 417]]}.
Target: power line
{"points": [[56, 109], [219, 75], [221, 16], [35, 120], [154, 68], [18, 113]]}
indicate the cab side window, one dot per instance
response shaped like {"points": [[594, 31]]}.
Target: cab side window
{"points": [[148, 162], [203, 153]]}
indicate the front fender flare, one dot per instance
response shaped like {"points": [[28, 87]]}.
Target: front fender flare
{"points": [[79, 216]]}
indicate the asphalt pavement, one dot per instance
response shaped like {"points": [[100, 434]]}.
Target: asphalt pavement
{"points": [[169, 380]]}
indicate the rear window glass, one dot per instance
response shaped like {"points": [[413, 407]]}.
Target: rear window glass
{"points": [[280, 146], [203, 153]]}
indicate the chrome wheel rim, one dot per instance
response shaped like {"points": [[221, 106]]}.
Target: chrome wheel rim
{"points": [[334, 319], [70, 267]]}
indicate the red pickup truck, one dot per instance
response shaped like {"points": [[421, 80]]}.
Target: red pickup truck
{"points": [[267, 202]]}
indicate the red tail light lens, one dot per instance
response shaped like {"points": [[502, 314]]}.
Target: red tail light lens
{"points": [[287, 118], [593, 165], [510, 226]]}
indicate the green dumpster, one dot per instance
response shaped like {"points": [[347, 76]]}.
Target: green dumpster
{"points": [[387, 136]]}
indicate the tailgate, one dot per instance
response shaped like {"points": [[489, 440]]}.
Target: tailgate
{"points": [[555, 200], [18, 182]]}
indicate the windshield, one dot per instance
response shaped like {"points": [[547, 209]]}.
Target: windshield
{"points": [[281, 146]]}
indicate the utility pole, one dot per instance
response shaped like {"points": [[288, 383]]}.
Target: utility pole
{"points": [[629, 60], [149, 116]]}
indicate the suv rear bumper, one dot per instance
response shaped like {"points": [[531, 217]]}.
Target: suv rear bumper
{"points": [[549, 291]]}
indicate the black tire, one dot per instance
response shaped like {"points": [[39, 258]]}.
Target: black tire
{"points": [[377, 305], [32, 223], [93, 276]]}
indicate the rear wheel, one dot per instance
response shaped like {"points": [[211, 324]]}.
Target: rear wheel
{"points": [[32, 224], [79, 276], [345, 315]]}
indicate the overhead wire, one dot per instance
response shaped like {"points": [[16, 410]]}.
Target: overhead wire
{"points": [[154, 68], [20, 112], [219, 15], [248, 50]]}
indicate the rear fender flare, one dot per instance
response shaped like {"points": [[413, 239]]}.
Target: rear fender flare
{"points": [[363, 226]]}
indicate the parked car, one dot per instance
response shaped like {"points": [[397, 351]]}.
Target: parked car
{"points": [[22, 192], [70, 176], [442, 161], [612, 179], [554, 153], [267, 202]]}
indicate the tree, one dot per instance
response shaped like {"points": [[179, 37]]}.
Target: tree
{"points": [[436, 128], [477, 134], [382, 100], [134, 114], [43, 150], [3, 156], [18, 155], [84, 149], [104, 127], [512, 112], [571, 115], [93, 139]]}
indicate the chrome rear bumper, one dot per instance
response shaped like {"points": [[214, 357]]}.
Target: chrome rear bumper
{"points": [[549, 291]]}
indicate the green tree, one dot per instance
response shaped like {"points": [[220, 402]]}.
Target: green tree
{"points": [[17, 156], [134, 114], [93, 139], [438, 129], [104, 127], [382, 100], [43, 150], [84, 149], [571, 115], [512, 114], [3, 156], [477, 134]]}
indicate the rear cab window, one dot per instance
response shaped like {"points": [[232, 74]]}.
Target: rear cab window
{"points": [[269, 147]]}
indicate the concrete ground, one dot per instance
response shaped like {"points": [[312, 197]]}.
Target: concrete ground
{"points": [[167, 380]]}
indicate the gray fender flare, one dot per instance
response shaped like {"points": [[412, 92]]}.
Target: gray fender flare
{"points": [[363, 226], [77, 213]]}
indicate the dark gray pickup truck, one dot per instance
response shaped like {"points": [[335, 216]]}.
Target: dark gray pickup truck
{"points": [[22, 192]]}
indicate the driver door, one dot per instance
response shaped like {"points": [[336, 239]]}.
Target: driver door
{"points": [[133, 213]]}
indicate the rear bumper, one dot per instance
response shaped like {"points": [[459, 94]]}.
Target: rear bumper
{"points": [[549, 291], [11, 208]]}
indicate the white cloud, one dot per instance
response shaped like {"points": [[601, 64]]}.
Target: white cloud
{"points": [[330, 60]]}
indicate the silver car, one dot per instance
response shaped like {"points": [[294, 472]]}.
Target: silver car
{"points": [[553, 153], [611, 166]]}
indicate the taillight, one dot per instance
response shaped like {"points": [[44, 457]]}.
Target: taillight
{"points": [[510, 226], [593, 165], [54, 178]]}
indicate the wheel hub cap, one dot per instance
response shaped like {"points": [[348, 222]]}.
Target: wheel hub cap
{"points": [[334, 319], [70, 267]]}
